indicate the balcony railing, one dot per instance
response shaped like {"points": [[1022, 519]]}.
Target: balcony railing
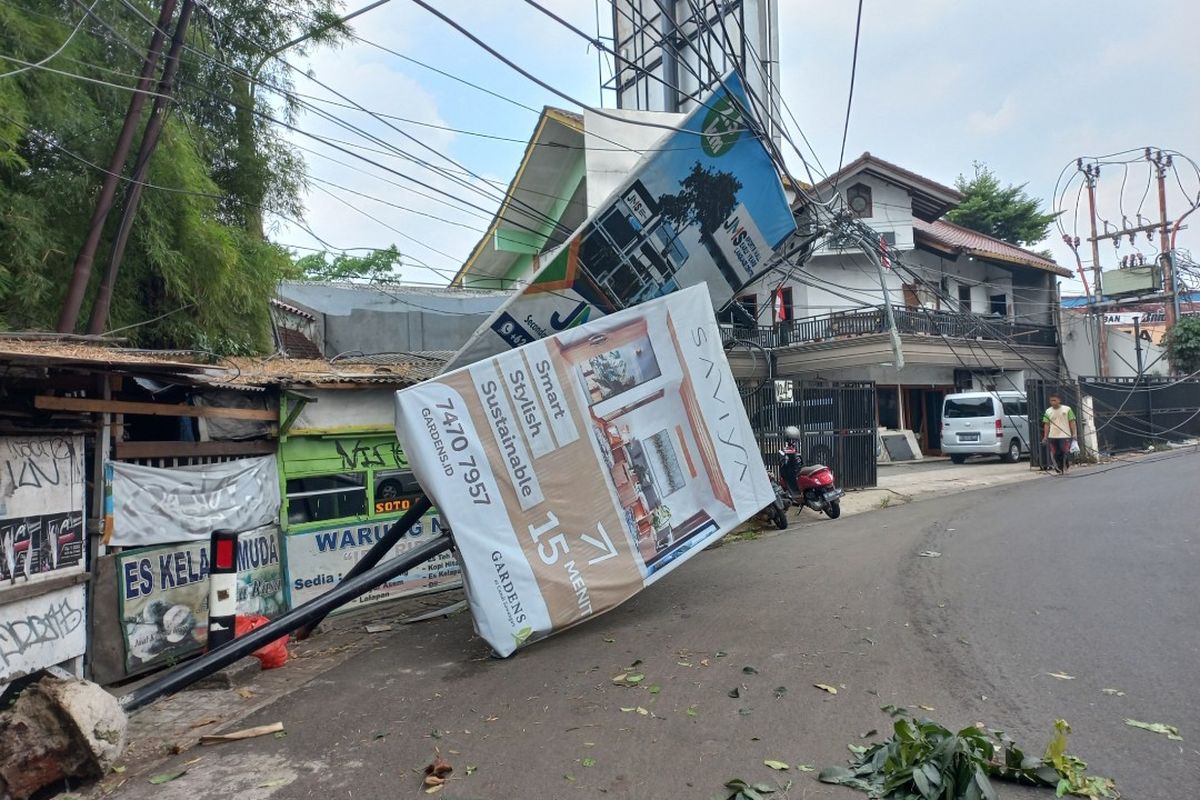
{"points": [[829, 327]]}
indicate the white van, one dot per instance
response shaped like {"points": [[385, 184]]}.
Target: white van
{"points": [[976, 423]]}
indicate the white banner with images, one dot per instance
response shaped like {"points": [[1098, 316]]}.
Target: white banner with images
{"points": [[578, 469]]}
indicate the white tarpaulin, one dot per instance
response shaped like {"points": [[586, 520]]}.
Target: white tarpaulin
{"points": [[162, 505], [578, 469]]}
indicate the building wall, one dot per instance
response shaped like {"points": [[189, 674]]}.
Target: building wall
{"points": [[373, 320], [891, 210], [1078, 332]]}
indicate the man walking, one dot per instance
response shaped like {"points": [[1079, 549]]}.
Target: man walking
{"points": [[1058, 432]]}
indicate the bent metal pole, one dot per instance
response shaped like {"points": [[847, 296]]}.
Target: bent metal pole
{"points": [[350, 588], [377, 552]]}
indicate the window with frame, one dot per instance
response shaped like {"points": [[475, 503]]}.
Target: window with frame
{"points": [[326, 497], [1015, 408], [998, 304], [964, 299]]}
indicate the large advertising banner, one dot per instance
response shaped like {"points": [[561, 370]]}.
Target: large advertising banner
{"points": [[578, 469], [163, 594], [317, 560], [41, 507], [703, 207]]}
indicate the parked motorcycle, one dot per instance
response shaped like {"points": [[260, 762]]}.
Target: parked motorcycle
{"points": [[811, 486]]}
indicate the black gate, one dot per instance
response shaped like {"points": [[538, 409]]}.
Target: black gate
{"points": [[837, 420], [1136, 413], [1037, 396]]}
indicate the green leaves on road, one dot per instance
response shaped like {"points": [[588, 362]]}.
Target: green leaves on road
{"points": [[1170, 731], [926, 761], [167, 777]]}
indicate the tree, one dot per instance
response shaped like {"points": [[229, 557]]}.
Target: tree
{"points": [[1007, 212], [197, 273], [1183, 345], [706, 199], [378, 266]]}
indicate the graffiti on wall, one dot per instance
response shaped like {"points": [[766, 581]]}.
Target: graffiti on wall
{"points": [[41, 506], [37, 632]]}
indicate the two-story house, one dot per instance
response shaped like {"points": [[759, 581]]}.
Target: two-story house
{"points": [[973, 312]]}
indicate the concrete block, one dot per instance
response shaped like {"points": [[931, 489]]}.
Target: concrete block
{"points": [[239, 673], [58, 729]]}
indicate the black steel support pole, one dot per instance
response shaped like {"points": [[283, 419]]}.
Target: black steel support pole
{"points": [[378, 551], [317, 608]]}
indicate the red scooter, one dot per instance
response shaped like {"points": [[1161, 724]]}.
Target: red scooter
{"points": [[812, 486]]}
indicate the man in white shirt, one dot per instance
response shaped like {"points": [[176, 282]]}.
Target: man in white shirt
{"points": [[1058, 432]]}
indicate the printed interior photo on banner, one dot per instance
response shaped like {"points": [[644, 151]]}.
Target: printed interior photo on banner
{"points": [[660, 460]]}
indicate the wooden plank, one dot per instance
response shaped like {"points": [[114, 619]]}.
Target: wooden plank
{"points": [[255, 447], [48, 403]]}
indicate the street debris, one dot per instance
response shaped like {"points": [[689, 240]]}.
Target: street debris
{"points": [[692, 711], [780, 691], [825, 687], [271, 784], [377, 627], [436, 775], [749, 670], [58, 729], [587, 761], [1170, 731], [925, 760], [245, 733], [628, 680], [1062, 676], [929, 554], [776, 765], [167, 777], [735, 692], [1114, 692], [739, 789]]}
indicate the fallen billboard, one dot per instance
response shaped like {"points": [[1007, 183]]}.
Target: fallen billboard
{"points": [[576, 470], [704, 206]]}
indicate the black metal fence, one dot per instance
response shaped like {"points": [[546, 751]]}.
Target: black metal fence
{"points": [[1136, 413], [837, 421], [873, 320], [1126, 413]]}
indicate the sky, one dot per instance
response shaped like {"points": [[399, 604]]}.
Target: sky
{"points": [[1024, 87]]}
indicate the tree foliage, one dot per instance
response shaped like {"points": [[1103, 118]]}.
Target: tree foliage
{"points": [[378, 266], [1183, 345], [705, 199], [195, 257], [1005, 212]]}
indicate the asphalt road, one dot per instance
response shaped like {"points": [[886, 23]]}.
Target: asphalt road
{"points": [[1091, 575]]}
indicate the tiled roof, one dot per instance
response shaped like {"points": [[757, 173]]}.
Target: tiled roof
{"points": [[291, 309], [297, 345], [964, 240]]}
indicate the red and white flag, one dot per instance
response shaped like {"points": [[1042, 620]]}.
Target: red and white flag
{"points": [[780, 308], [883, 253]]}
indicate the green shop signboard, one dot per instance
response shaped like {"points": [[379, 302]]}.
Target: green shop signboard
{"points": [[342, 493]]}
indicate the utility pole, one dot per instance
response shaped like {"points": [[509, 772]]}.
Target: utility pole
{"points": [[77, 288], [133, 197], [1091, 173], [1161, 164], [1137, 343]]}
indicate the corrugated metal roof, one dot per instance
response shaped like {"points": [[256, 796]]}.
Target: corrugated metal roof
{"points": [[393, 369], [965, 240]]}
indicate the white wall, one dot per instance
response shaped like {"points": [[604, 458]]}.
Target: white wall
{"points": [[891, 210], [1078, 332]]}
